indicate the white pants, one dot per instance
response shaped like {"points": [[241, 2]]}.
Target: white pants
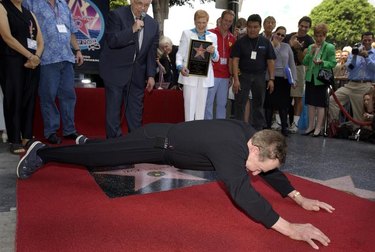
{"points": [[195, 101]]}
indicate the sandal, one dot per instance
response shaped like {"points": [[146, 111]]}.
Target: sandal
{"points": [[27, 143], [17, 149]]}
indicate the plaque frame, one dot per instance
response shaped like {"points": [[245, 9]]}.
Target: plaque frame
{"points": [[198, 61]]}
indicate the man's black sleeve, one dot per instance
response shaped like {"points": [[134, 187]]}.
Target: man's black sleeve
{"points": [[278, 181], [230, 167]]}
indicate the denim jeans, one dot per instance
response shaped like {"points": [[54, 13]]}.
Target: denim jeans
{"points": [[220, 91], [57, 80]]}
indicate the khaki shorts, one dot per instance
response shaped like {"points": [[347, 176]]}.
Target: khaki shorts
{"points": [[300, 88]]}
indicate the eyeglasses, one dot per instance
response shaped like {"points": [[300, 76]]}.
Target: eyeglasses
{"points": [[280, 35]]}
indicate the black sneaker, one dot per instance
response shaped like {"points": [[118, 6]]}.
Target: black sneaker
{"points": [[72, 136], [54, 139], [285, 132], [81, 139], [30, 162]]}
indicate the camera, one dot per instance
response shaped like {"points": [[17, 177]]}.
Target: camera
{"points": [[357, 48], [242, 30]]}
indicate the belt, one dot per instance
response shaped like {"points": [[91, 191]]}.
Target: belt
{"points": [[361, 81]]}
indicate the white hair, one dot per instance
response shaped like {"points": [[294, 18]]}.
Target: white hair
{"points": [[165, 40]]}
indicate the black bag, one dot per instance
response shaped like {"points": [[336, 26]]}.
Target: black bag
{"points": [[367, 135], [344, 131], [326, 76]]}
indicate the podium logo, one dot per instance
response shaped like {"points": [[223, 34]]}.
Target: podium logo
{"points": [[90, 23]]}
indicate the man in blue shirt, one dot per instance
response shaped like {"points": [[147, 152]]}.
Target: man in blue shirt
{"points": [[57, 73], [361, 69]]}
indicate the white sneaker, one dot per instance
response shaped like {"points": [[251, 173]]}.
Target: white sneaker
{"points": [[81, 139], [293, 128], [4, 136], [275, 126]]}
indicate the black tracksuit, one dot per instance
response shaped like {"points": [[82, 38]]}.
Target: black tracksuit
{"points": [[219, 145]]}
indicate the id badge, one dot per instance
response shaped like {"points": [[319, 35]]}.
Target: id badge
{"points": [[61, 28], [223, 61], [253, 55], [31, 43]]}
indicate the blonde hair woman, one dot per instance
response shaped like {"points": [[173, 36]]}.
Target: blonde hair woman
{"points": [[195, 87]]}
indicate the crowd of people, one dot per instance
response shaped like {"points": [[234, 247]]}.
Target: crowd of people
{"points": [[266, 73], [251, 68], [37, 57]]}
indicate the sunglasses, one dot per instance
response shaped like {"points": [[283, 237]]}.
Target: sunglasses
{"points": [[280, 35]]}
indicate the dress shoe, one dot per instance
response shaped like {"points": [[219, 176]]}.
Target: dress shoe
{"points": [[308, 132], [54, 139], [72, 136], [317, 134]]}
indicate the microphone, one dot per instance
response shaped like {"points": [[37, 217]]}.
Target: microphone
{"points": [[143, 15]]}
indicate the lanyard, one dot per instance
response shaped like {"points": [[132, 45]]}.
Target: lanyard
{"points": [[53, 8], [31, 28], [256, 45]]}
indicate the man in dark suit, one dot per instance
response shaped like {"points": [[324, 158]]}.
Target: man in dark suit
{"points": [[127, 62], [232, 148]]}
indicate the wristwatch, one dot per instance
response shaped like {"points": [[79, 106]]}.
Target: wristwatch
{"points": [[76, 50]]}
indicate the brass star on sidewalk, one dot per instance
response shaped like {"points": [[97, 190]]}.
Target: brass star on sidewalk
{"points": [[199, 51]]}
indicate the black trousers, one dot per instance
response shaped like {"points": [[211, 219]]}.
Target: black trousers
{"points": [[143, 145], [255, 83], [280, 100], [128, 97], [20, 90]]}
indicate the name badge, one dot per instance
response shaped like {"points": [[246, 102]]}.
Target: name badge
{"points": [[31, 43], [253, 55], [61, 28], [223, 61]]}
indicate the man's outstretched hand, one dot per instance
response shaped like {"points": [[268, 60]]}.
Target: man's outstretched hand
{"points": [[301, 232], [308, 233], [310, 204], [315, 205]]}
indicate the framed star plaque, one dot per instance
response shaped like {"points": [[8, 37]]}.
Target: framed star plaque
{"points": [[199, 58]]}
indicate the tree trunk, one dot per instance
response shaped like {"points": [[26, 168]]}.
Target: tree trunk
{"points": [[161, 10]]}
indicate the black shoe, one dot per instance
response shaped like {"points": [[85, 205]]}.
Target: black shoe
{"points": [[285, 132], [54, 139], [30, 162], [81, 139], [308, 132], [72, 136]]}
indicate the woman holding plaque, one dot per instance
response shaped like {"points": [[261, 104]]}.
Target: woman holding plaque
{"points": [[197, 50]]}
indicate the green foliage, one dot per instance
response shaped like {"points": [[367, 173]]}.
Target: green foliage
{"points": [[113, 4], [347, 20], [183, 2]]}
